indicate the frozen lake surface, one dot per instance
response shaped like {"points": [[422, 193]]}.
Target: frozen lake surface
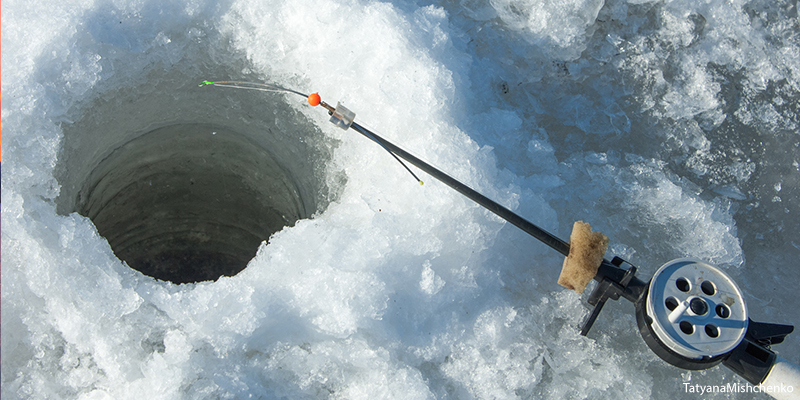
{"points": [[670, 126]]}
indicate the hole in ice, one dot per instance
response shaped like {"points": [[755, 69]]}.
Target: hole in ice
{"points": [[190, 202], [184, 182]]}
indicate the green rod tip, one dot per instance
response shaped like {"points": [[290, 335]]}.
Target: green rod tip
{"points": [[421, 183], [205, 83]]}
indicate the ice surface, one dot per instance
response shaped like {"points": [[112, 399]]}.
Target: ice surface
{"points": [[669, 126]]}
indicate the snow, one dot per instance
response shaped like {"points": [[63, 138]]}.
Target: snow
{"points": [[669, 126]]}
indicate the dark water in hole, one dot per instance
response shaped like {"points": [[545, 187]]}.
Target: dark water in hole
{"points": [[189, 202]]}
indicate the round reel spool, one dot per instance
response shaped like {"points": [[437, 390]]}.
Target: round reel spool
{"points": [[692, 314]]}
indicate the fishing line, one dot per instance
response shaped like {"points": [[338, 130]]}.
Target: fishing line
{"points": [[372, 137], [313, 99], [264, 87]]}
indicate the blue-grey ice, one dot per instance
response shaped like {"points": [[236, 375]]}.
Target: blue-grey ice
{"points": [[670, 126]]}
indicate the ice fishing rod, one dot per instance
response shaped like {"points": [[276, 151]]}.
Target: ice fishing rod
{"points": [[690, 313]]}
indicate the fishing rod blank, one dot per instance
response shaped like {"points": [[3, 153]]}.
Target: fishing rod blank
{"points": [[343, 118]]}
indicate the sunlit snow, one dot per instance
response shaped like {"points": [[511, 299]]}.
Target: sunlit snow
{"points": [[670, 126]]}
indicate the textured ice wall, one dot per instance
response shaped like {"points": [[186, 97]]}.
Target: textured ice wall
{"points": [[672, 127]]}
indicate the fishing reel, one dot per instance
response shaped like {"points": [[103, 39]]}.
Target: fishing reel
{"points": [[693, 316]]}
